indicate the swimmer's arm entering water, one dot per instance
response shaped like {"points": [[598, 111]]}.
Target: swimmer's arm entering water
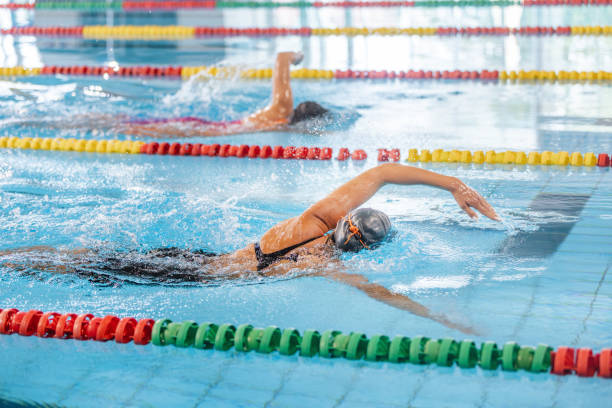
{"points": [[323, 216], [360, 189]]}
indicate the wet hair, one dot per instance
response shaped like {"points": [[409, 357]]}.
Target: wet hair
{"points": [[307, 110], [361, 228]]}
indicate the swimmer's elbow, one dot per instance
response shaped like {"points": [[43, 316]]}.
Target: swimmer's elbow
{"points": [[380, 174], [388, 169], [394, 173]]}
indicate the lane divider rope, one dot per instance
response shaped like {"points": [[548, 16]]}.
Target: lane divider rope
{"points": [[210, 4], [419, 350], [509, 77], [545, 158], [174, 149], [183, 32]]}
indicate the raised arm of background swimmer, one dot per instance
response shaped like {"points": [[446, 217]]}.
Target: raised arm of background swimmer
{"points": [[273, 116], [280, 108]]}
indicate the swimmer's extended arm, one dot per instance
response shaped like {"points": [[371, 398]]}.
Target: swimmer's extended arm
{"points": [[277, 114], [360, 189], [282, 97], [161, 130], [173, 129], [396, 300]]}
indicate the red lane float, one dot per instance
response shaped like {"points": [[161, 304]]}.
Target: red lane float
{"points": [[92, 327], [29, 324], [73, 326], [143, 331], [603, 160], [343, 154], [386, 155], [15, 6], [124, 332], [313, 153], [604, 365], [6, 318], [106, 329], [583, 362], [80, 326], [242, 151], [65, 326], [163, 148], [45, 31], [47, 324], [264, 152], [132, 71], [359, 154]]}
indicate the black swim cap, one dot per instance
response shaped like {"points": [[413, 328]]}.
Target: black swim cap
{"points": [[307, 110], [361, 228]]}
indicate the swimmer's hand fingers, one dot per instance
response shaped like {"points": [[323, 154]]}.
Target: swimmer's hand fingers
{"points": [[297, 57], [468, 199]]}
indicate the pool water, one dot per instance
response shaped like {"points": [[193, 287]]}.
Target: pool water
{"points": [[540, 276]]}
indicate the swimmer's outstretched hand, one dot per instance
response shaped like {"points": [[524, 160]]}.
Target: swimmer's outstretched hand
{"points": [[297, 57], [468, 198]]}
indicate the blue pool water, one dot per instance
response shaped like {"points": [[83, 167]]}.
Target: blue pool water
{"points": [[541, 276]]}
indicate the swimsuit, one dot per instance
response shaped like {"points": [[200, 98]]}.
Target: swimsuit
{"points": [[158, 266], [186, 119], [265, 260]]}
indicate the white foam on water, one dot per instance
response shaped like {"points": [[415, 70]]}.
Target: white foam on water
{"points": [[434, 282]]}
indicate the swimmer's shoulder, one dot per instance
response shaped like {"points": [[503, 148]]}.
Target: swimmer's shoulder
{"points": [[258, 123], [268, 118]]}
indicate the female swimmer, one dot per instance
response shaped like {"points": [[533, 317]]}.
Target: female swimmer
{"points": [[308, 242], [278, 115]]}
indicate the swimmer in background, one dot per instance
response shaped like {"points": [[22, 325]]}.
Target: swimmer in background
{"points": [[309, 243], [278, 115]]}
